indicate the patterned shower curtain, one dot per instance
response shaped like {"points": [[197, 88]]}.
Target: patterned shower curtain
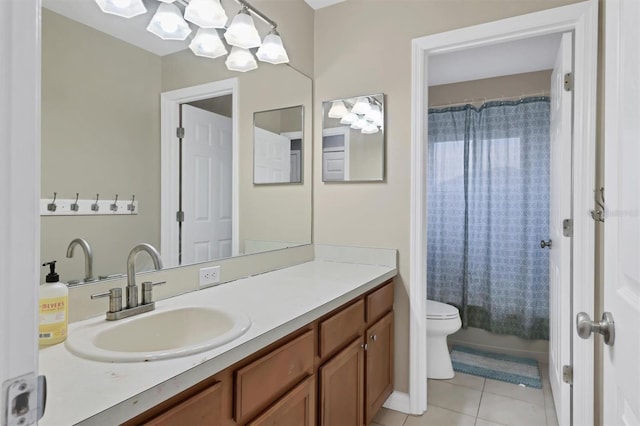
{"points": [[488, 209]]}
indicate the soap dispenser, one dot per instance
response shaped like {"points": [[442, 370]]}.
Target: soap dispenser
{"points": [[53, 309]]}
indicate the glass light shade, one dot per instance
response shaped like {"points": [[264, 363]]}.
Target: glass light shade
{"points": [[206, 13], [242, 32], [370, 128], [361, 106], [350, 118], [272, 50], [359, 125], [124, 8], [374, 114], [167, 23], [240, 60], [338, 110], [207, 43]]}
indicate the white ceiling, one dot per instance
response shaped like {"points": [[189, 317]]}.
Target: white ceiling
{"points": [[528, 55], [319, 4]]}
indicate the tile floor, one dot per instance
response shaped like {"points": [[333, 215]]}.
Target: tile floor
{"points": [[468, 400]]}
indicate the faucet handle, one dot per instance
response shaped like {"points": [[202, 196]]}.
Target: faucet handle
{"points": [[115, 298], [147, 286]]}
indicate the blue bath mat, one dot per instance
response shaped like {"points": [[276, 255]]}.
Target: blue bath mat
{"points": [[507, 368]]}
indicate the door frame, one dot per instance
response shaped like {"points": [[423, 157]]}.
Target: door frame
{"points": [[582, 20], [20, 63], [170, 155]]}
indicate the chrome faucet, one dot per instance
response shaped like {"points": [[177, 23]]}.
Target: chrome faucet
{"points": [[132, 288], [88, 256], [132, 308]]}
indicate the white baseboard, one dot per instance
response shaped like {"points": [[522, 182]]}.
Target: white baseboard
{"points": [[398, 401]]}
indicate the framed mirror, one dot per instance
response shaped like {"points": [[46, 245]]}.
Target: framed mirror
{"points": [[277, 145], [353, 146]]}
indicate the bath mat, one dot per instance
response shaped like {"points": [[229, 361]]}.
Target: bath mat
{"points": [[507, 368]]}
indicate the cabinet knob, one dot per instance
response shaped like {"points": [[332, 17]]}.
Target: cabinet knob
{"points": [[364, 346], [374, 337]]}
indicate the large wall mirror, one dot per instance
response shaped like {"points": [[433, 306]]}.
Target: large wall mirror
{"points": [[277, 145], [101, 134], [353, 139]]}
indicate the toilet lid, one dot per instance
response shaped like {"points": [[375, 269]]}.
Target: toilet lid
{"points": [[438, 310]]}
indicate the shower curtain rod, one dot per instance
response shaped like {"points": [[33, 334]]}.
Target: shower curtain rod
{"points": [[482, 101]]}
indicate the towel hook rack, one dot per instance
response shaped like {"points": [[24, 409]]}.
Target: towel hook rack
{"points": [[52, 205], [74, 206], [95, 207], [114, 206], [131, 206]]}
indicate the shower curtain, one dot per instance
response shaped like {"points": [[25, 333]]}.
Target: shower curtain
{"points": [[488, 209]]}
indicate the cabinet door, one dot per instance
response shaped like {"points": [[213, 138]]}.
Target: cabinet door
{"points": [[204, 408], [379, 365], [295, 408], [342, 387]]}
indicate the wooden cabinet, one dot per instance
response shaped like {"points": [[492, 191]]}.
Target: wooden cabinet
{"points": [[355, 383], [342, 387], [379, 365], [295, 408], [337, 370]]}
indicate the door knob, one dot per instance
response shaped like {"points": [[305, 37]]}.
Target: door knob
{"points": [[544, 243], [605, 326]]}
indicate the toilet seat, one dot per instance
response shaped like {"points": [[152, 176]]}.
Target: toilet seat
{"points": [[441, 311]]}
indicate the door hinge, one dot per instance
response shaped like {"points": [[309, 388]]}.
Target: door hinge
{"points": [[180, 216], [567, 374], [180, 132], [567, 228], [568, 81], [25, 398]]}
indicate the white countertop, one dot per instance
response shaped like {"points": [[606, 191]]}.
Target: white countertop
{"points": [[278, 302]]}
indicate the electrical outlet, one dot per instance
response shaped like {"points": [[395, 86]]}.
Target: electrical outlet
{"points": [[209, 275]]}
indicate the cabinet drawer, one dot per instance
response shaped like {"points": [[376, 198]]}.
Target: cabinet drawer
{"points": [[295, 408], [341, 328], [379, 302], [258, 384], [204, 408]]}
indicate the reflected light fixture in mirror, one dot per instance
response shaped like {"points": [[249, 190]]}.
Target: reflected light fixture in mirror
{"points": [[364, 113], [169, 24]]}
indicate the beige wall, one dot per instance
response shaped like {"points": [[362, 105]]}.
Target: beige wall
{"points": [[100, 134], [478, 91], [365, 47]]}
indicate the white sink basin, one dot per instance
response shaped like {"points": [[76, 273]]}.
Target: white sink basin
{"points": [[160, 334]]}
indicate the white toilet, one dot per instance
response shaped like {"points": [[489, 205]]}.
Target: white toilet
{"points": [[442, 320]]}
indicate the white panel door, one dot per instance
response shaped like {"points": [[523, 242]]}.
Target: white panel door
{"points": [[622, 216], [560, 316], [333, 165], [206, 185], [272, 157]]}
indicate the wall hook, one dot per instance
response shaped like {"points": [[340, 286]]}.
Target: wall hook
{"points": [[95, 207], [598, 215], [132, 207], [74, 206], [114, 206], [52, 205]]}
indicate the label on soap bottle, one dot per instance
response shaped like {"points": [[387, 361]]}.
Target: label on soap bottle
{"points": [[53, 324]]}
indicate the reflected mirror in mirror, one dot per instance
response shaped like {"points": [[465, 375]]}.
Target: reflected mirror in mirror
{"points": [[277, 145], [101, 134], [353, 139]]}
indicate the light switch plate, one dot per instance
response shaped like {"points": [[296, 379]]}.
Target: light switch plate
{"points": [[209, 276]]}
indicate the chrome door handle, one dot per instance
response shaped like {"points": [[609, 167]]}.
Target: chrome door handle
{"points": [[544, 243], [605, 326]]}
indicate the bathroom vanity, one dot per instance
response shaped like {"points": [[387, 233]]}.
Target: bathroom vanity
{"points": [[320, 348]]}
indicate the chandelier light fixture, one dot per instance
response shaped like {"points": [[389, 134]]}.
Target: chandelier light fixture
{"points": [[363, 113], [204, 21]]}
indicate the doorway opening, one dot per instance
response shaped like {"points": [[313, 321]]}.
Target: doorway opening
{"points": [[199, 171], [580, 20]]}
